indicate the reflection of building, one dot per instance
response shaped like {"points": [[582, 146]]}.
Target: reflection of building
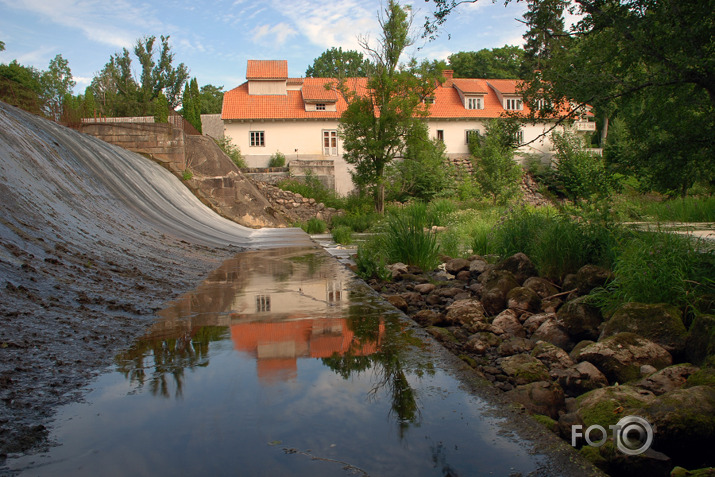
{"points": [[277, 345]]}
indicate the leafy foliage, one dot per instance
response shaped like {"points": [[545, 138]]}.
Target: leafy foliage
{"points": [[278, 159], [377, 122], [336, 63], [232, 151], [579, 174], [504, 62], [495, 170], [409, 240]]}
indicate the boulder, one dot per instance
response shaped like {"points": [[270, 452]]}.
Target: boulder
{"points": [[551, 355], [523, 299], [497, 283], [621, 356], [701, 341], [667, 379], [551, 331], [589, 277], [456, 265], [428, 317], [579, 378], [477, 266], [507, 321], [515, 345], [397, 269], [540, 397], [660, 323], [425, 288], [481, 342], [683, 424], [580, 319], [397, 301], [606, 406], [543, 287], [520, 266], [465, 312], [524, 369], [532, 323]]}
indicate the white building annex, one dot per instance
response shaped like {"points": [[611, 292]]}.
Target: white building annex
{"points": [[299, 117]]}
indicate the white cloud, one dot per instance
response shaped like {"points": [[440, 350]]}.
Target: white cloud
{"points": [[275, 34], [98, 20]]}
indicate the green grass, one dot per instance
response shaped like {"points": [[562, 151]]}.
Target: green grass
{"points": [[408, 240], [315, 226]]}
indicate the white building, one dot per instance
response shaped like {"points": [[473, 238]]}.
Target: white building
{"points": [[299, 117]]}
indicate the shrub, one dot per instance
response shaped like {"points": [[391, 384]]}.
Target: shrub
{"points": [[277, 160], [357, 221], [661, 268], [407, 240], [311, 187], [187, 175], [371, 259], [232, 151], [315, 226], [438, 211], [579, 174], [342, 234]]}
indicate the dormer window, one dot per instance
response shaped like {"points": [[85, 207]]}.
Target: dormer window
{"points": [[428, 100], [475, 103], [320, 107], [513, 104]]}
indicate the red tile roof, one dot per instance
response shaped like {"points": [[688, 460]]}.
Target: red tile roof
{"points": [[267, 69], [238, 104], [319, 93]]}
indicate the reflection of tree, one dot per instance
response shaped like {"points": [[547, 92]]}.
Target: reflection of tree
{"points": [[168, 357], [386, 331]]}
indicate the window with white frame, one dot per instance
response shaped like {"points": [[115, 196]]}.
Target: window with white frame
{"points": [[440, 135], [471, 135], [320, 107], [475, 103], [257, 139], [519, 137], [330, 142], [513, 104]]}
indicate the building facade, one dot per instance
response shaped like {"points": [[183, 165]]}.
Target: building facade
{"points": [[299, 117]]}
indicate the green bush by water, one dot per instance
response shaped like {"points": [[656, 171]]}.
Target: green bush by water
{"points": [[408, 240], [342, 234], [315, 226]]}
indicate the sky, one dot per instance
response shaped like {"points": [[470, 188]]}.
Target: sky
{"points": [[214, 39]]}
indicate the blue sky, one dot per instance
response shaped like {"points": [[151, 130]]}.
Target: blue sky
{"points": [[216, 38]]}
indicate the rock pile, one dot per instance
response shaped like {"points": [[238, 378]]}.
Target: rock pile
{"points": [[294, 206], [553, 353]]}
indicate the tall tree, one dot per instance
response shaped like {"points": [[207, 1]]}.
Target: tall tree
{"points": [[119, 93], [495, 170], [56, 83], [336, 63], [505, 62], [626, 52], [377, 121]]}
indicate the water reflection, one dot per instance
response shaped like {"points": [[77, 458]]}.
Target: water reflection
{"points": [[277, 307]]}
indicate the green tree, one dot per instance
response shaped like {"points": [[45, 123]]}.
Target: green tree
{"points": [[2, 46], [20, 86], [376, 123], [191, 104], [56, 83], [423, 172], [336, 63], [580, 174], [117, 91], [161, 112], [211, 99], [495, 170], [504, 62], [620, 56]]}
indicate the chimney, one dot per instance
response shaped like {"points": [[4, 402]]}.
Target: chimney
{"points": [[448, 77]]}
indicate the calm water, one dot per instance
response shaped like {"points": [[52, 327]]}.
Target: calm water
{"points": [[279, 364]]}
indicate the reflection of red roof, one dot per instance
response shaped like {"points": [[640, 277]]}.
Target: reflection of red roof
{"points": [[277, 345]]}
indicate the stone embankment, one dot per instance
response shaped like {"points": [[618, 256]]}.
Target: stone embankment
{"points": [[294, 206], [555, 355]]}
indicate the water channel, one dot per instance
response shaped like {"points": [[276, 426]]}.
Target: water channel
{"points": [[282, 363]]}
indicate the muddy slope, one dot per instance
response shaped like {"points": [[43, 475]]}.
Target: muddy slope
{"points": [[93, 240]]}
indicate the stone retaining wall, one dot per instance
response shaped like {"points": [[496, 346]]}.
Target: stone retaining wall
{"points": [[294, 206]]}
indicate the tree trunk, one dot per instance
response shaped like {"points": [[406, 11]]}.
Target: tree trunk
{"points": [[604, 132], [380, 198]]}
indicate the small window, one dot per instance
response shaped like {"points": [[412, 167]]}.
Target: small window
{"points": [[440, 135], [513, 104], [257, 139], [320, 107], [428, 100], [472, 135], [263, 303], [474, 103], [519, 137]]}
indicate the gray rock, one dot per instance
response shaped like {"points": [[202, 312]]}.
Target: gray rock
{"points": [[621, 356], [507, 321], [541, 397], [551, 331], [667, 379], [524, 368], [580, 319], [520, 266]]}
